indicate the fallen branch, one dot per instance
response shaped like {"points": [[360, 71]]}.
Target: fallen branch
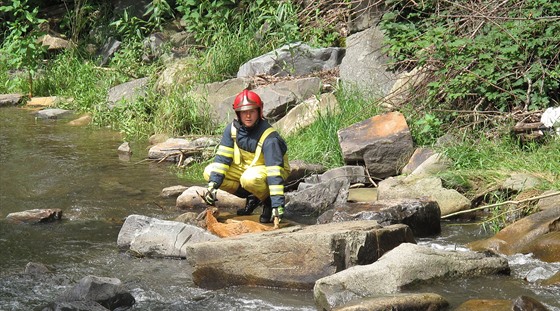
{"points": [[502, 203]]}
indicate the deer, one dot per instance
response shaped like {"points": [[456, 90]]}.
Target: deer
{"points": [[231, 227]]}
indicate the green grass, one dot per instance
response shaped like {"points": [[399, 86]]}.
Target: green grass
{"points": [[318, 143], [481, 163]]}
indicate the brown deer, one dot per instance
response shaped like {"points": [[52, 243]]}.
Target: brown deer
{"points": [[230, 227]]}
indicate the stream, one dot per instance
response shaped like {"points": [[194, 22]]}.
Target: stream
{"points": [[50, 164]]}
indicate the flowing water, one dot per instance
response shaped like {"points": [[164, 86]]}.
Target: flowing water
{"points": [[49, 164]]}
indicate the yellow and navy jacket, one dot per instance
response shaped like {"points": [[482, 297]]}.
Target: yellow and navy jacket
{"points": [[274, 151]]}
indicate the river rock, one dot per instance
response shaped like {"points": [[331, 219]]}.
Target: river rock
{"points": [[521, 303], [421, 215], [420, 301], [549, 202], [449, 200], [36, 216], [353, 173], [295, 59], [404, 265], [553, 280], [299, 170], [36, 268], [418, 157], [536, 233], [159, 238], [292, 257], [127, 92], [382, 143], [365, 65], [53, 113], [311, 202], [190, 199], [173, 149], [10, 99], [82, 120], [74, 306], [108, 292], [306, 113], [173, 191]]}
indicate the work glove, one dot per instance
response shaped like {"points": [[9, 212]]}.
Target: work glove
{"points": [[210, 194], [278, 212]]}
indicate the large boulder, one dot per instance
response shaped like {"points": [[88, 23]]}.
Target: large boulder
{"points": [[409, 302], [294, 59], [306, 113], [537, 233], [421, 215], [382, 143], [449, 200], [127, 92], [405, 265], [311, 202], [292, 257], [152, 237], [365, 65]]}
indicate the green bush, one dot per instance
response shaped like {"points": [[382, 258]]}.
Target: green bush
{"points": [[484, 55], [20, 45]]}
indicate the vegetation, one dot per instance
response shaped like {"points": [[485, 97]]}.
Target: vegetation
{"points": [[488, 64]]}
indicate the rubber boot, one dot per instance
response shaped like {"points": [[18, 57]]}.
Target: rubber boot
{"points": [[252, 203], [266, 216]]}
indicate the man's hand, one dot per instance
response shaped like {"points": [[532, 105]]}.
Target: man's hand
{"points": [[278, 212], [210, 195]]}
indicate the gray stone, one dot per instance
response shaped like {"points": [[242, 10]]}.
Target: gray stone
{"points": [[294, 59], [190, 199], [353, 173], [108, 50], [315, 200], [306, 113], [405, 265], [53, 113], [35, 216], [292, 257], [421, 215], [10, 99], [108, 292], [173, 191], [449, 200], [365, 65], [127, 92], [159, 238], [381, 143], [408, 302]]}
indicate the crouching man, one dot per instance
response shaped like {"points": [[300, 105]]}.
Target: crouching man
{"points": [[251, 161]]}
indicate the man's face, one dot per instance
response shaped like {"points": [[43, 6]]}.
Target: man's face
{"points": [[249, 117]]}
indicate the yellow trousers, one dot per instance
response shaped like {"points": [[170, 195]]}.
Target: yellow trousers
{"points": [[251, 178]]}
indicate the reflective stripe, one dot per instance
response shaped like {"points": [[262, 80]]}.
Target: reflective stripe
{"points": [[236, 152], [220, 168], [276, 189], [264, 135], [225, 151], [274, 170]]}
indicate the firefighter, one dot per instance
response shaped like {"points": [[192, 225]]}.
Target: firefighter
{"points": [[251, 161]]}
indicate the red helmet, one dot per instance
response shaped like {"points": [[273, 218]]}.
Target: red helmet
{"points": [[247, 100]]}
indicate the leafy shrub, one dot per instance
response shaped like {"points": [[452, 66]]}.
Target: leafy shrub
{"points": [[484, 54], [21, 42]]}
